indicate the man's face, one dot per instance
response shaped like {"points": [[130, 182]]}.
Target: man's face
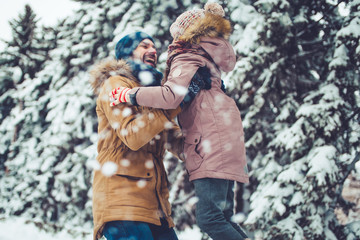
{"points": [[146, 52]]}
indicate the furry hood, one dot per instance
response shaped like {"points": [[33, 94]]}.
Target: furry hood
{"points": [[212, 32], [211, 25], [107, 68]]}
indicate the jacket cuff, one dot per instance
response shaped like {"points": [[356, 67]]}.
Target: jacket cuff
{"points": [[132, 96]]}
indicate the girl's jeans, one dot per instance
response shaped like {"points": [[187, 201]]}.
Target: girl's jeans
{"points": [[131, 230], [215, 207]]}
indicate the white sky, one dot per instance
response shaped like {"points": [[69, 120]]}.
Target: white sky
{"points": [[47, 11]]}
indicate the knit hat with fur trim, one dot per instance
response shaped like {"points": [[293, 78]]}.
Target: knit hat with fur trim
{"points": [[189, 17], [125, 46]]}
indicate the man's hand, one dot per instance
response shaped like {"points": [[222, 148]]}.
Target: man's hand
{"points": [[119, 95]]}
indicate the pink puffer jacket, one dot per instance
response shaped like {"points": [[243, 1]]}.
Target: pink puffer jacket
{"points": [[214, 136]]}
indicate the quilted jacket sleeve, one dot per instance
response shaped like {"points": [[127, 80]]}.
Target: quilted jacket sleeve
{"points": [[172, 93]]}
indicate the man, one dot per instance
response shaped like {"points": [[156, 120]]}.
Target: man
{"points": [[131, 200]]}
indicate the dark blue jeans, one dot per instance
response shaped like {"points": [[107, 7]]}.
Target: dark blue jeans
{"points": [[131, 230], [215, 207]]}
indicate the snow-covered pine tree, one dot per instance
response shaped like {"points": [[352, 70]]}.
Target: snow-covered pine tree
{"points": [[23, 56], [47, 179], [297, 84], [285, 69], [7, 90], [26, 186], [25, 51]]}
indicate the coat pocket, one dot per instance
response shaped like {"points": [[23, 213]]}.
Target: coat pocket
{"points": [[135, 173], [193, 157]]}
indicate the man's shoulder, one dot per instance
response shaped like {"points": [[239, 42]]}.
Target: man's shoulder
{"points": [[117, 70], [117, 81]]}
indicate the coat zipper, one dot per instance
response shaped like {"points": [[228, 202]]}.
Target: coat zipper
{"points": [[157, 192]]}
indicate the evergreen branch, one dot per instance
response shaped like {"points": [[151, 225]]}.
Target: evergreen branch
{"points": [[305, 54], [356, 112], [351, 166], [313, 23], [183, 200]]}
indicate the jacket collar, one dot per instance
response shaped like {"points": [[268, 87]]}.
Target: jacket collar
{"points": [[107, 68], [126, 68]]}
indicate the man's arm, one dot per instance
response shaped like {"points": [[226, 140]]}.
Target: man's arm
{"points": [[175, 142]]}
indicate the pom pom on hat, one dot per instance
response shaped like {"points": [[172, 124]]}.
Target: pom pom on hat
{"points": [[214, 8], [187, 18]]}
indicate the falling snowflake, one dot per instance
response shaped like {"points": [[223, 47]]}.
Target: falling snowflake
{"points": [[94, 164], [135, 128], [146, 78], [116, 112], [109, 169], [141, 124], [228, 147], [126, 112], [149, 164], [151, 116], [180, 90], [168, 125], [115, 125], [238, 218], [141, 183], [125, 163], [124, 132], [206, 144], [227, 119]]}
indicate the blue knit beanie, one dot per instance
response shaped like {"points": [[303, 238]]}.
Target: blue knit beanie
{"points": [[125, 46]]}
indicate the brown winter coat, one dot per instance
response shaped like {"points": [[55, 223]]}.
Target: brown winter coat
{"points": [[133, 138], [214, 136]]}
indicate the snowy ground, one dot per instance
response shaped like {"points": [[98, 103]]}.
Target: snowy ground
{"points": [[16, 228]]}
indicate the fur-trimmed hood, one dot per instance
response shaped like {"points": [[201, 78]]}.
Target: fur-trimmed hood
{"points": [[107, 68], [211, 25], [212, 32]]}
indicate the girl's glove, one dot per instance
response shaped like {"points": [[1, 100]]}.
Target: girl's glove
{"points": [[119, 95]]}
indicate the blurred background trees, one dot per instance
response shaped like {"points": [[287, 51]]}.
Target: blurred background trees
{"points": [[296, 83]]}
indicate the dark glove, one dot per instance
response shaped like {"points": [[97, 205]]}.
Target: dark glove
{"points": [[201, 80]]}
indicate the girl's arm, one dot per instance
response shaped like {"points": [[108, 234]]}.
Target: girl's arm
{"points": [[172, 93]]}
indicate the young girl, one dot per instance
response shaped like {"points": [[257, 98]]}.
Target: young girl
{"points": [[214, 138]]}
